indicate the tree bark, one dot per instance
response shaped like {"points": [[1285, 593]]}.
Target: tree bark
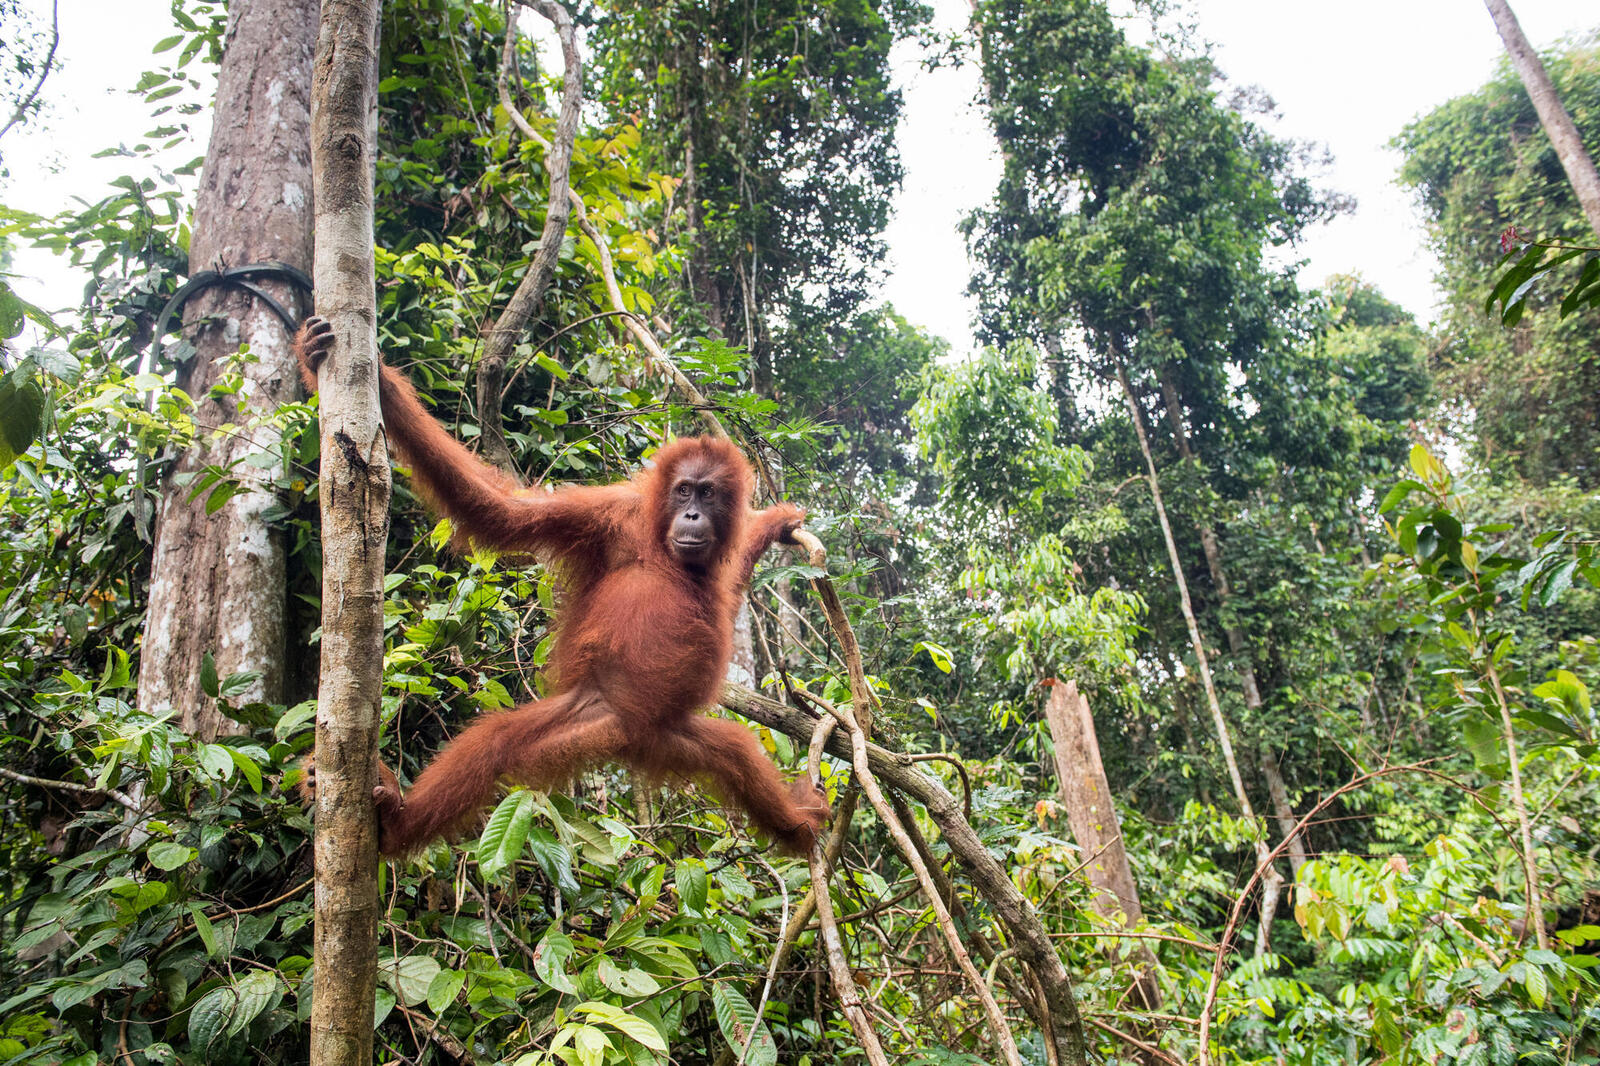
{"points": [[1272, 880], [1211, 547], [1086, 794], [355, 525], [217, 581], [1557, 123]]}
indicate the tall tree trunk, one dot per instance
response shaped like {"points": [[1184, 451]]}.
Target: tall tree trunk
{"points": [[355, 528], [1277, 788], [1086, 794], [217, 581], [1557, 123], [1271, 879]]}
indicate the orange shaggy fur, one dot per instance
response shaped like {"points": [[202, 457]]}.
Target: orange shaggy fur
{"points": [[642, 640]]}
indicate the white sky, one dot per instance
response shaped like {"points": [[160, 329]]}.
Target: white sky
{"points": [[1348, 75]]}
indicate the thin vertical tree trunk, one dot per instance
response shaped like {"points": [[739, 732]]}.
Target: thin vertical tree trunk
{"points": [[1086, 794], [217, 581], [1557, 123], [1271, 879], [355, 526], [1277, 788]]}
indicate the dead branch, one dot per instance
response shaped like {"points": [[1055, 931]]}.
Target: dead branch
{"points": [[528, 298], [986, 875]]}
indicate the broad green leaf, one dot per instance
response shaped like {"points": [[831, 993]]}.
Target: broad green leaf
{"points": [[626, 981], [166, 855], [1534, 981], [257, 991], [444, 988], [737, 1018], [1483, 740], [550, 961], [1397, 495], [554, 858], [410, 978], [382, 1003], [208, 1019], [690, 879], [208, 676], [22, 403], [629, 1025], [505, 833], [938, 653]]}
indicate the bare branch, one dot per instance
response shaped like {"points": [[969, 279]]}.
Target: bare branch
{"points": [[26, 102]]}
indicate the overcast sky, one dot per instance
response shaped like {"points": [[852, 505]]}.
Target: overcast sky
{"points": [[1347, 74]]}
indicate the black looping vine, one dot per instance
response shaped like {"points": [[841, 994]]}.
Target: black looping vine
{"points": [[237, 277]]}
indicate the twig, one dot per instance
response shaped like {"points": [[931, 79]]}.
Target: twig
{"points": [[1196, 944], [843, 981], [772, 968], [442, 1037], [44, 71], [961, 768], [1135, 1042], [70, 786], [528, 297], [635, 323], [999, 1030], [987, 876]]}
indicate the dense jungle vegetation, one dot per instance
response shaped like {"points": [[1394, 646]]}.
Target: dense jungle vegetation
{"points": [[1325, 576]]}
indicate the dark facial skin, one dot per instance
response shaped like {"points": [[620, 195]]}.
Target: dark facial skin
{"points": [[696, 512]]}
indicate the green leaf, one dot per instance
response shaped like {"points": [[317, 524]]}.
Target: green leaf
{"points": [[1429, 469], [690, 879], [203, 926], [736, 1018], [411, 978], [208, 676], [940, 655], [1397, 495], [1589, 277], [22, 403], [166, 855], [382, 1003], [629, 1025], [629, 981], [1559, 581], [550, 961], [257, 991], [505, 833], [208, 1019], [554, 858], [1483, 740], [1534, 981], [247, 767], [215, 760], [444, 988]]}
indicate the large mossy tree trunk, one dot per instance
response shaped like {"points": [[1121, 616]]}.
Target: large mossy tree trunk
{"points": [[217, 580], [355, 527]]}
